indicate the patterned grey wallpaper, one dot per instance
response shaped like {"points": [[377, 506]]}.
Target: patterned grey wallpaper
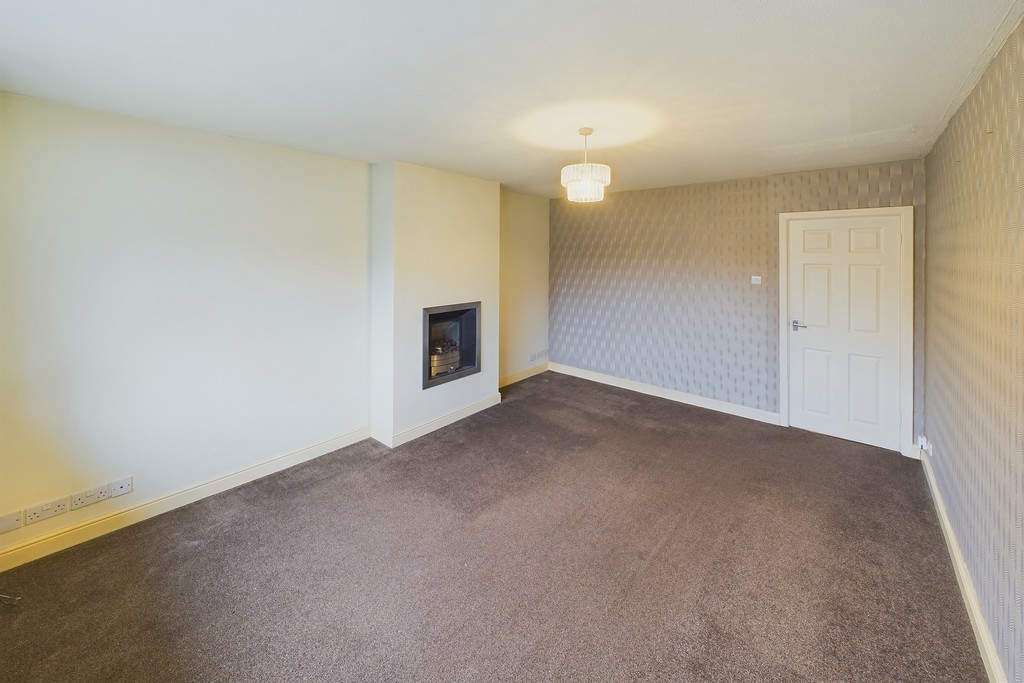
{"points": [[974, 338], [638, 285], [654, 285]]}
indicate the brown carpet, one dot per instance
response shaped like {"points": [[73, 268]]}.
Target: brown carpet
{"points": [[574, 532]]}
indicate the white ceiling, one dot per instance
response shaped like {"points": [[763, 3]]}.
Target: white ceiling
{"points": [[678, 91]]}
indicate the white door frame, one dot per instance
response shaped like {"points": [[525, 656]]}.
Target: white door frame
{"points": [[906, 379]]}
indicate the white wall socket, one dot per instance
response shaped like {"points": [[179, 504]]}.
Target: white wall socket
{"points": [[38, 513], [90, 496], [121, 487], [10, 521]]}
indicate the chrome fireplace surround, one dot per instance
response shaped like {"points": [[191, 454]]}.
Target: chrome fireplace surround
{"points": [[451, 342]]}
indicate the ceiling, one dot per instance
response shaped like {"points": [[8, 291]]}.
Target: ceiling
{"points": [[677, 91]]}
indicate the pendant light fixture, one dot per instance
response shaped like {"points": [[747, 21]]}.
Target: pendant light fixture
{"points": [[586, 182]]}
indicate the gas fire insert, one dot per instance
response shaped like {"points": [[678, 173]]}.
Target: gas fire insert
{"points": [[451, 342]]}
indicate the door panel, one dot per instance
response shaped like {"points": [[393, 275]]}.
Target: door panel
{"points": [[818, 295], [865, 298], [864, 389], [865, 240], [817, 388], [818, 241]]}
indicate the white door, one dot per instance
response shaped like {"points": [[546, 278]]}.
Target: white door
{"points": [[847, 295]]}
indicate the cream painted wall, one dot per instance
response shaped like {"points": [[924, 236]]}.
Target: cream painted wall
{"points": [[382, 302], [444, 240], [175, 305], [524, 284]]}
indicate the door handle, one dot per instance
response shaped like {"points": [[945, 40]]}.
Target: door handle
{"points": [[797, 325]]}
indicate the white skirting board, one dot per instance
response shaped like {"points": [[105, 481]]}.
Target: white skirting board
{"points": [[521, 375], [78, 533], [393, 440], [986, 644], [670, 394]]}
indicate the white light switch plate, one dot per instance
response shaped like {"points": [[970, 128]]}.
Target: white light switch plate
{"points": [[755, 279]]}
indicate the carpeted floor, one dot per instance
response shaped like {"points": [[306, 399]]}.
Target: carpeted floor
{"points": [[575, 532]]}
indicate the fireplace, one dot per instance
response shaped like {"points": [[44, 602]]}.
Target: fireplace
{"points": [[451, 342]]}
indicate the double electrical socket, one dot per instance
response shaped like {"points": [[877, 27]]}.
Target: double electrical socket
{"points": [[89, 496], [38, 513]]}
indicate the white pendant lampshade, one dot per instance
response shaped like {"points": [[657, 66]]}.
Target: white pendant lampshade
{"points": [[586, 182]]}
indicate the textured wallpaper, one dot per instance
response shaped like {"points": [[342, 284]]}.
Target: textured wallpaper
{"points": [[654, 285], [639, 285], [974, 338]]}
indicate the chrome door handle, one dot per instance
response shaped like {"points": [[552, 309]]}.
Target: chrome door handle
{"points": [[797, 325]]}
